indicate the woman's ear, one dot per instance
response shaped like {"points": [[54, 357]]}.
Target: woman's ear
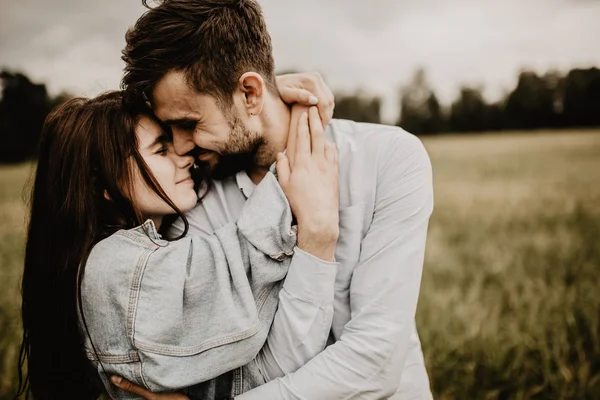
{"points": [[253, 87], [106, 195]]}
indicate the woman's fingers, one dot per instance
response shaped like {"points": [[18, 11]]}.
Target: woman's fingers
{"points": [[283, 169], [296, 112], [316, 133], [311, 86], [303, 139], [330, 153], [300, 96], [127, 386]]}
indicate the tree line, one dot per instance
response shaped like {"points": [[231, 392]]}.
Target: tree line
{"points": [[551, 100], [23, 109]]}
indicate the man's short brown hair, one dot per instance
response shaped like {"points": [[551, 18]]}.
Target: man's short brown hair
{"points": [[213, 42]]}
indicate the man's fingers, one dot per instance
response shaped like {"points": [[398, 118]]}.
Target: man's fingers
{"points": [[127, 386], [316, 133], [303, 140], [283, 169]]}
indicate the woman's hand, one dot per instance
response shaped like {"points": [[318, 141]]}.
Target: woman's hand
{"points": [[309, 176], [127, 386], [308, 89]]}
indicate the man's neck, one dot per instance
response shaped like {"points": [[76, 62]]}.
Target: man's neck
{"points": [[276, 126]]}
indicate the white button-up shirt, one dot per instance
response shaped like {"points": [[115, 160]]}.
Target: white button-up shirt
{"points": [[373, 352]]}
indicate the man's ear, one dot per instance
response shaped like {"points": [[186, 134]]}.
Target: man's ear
{"points": [[253, 87]]}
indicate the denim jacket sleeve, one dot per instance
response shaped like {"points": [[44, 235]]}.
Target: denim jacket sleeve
{"points": [[205, 304], [190, 309]]}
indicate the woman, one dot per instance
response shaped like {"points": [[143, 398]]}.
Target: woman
{"points": [[100, 283]]}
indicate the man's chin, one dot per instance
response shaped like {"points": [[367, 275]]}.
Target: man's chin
{"points": [[225, 166]]}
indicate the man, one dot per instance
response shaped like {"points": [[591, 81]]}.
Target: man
{"points": [[207, 69]]}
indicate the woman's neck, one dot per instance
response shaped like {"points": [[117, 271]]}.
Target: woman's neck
{"points": [[157, 219]]}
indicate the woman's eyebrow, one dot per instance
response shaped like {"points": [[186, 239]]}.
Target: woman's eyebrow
{"points": [[158, 140]]}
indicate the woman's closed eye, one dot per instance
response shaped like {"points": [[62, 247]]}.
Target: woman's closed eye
{"points": [[162, 144], [162, 150]]}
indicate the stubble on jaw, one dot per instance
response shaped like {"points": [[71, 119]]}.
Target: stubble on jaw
{"points": [[244, 151]]}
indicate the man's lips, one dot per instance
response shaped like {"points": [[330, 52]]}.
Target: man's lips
{"points": [[205, 155]]}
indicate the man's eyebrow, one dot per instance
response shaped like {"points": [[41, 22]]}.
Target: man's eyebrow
{"points": [[180, 121]]}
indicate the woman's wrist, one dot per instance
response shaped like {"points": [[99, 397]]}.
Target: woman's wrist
{"points": [[318, 241]]}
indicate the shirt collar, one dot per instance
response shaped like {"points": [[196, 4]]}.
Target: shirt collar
{"points": [[246, 185]]}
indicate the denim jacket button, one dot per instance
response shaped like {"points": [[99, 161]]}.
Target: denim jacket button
{"points": [[279, 256]]}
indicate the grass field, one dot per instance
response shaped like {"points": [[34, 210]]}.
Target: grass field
{"points": [[510, 302]]}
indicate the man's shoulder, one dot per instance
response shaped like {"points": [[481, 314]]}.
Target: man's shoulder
{"points": [[372, 140], [347, 129]]}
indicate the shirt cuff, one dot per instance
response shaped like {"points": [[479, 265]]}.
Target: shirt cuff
{"points": [[311, 279]]}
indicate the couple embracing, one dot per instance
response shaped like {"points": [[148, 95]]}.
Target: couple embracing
{"points": [[210, 233]]}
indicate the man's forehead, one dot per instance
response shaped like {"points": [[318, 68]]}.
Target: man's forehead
{"points": [[171, 93], [173, 98]]}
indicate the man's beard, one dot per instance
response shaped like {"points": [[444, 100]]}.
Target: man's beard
{"points": [[240, 153], [229, 164]]}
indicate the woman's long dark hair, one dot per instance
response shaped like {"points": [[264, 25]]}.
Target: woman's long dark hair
{"points": [[88, 154]]}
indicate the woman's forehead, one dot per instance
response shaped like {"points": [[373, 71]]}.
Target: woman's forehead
{"points": [[148, 132]]}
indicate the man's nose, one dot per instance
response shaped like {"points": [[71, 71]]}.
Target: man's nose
{"points": [[184, 162], [182, 142]]}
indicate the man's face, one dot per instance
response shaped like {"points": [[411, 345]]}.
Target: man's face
{"points": [[220, 140]]}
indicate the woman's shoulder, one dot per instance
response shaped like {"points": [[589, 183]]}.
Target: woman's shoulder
{"points": [[122, 249], [139, 238]]}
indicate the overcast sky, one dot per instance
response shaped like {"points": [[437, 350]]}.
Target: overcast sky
{"points": [[74, 45]]}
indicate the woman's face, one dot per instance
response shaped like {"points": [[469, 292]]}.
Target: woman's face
{"points": [[170, 170]]}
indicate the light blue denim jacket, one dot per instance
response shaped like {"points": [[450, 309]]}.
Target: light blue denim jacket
{"points": [[167, 315]]}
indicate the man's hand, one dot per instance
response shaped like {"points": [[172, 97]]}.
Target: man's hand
{"points": [[127, 386], [308, 89]]}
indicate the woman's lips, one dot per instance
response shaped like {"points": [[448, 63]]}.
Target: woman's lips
{"points": [[186, 180]]}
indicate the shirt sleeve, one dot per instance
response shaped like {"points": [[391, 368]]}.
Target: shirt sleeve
{"points": [[303, 319], [368, 360]]}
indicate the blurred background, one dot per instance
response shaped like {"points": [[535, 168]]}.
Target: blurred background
{"points": [[504, 94]]}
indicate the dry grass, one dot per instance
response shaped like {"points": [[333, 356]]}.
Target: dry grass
{"points": [[12, 232], [509, 306]]}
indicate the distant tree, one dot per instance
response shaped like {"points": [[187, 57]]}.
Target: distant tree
{"points": [[494, 117], [358, 107], [420, 110], [469, 112], [581, 98], [59, 99], [532, 103], [23, 108]]}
